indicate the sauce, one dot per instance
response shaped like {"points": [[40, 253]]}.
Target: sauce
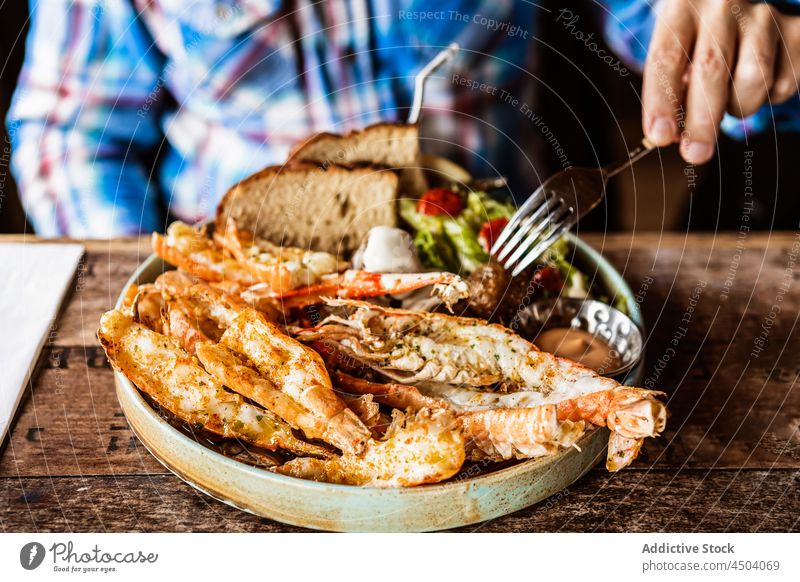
{"points": [[387, 250], [580, 346]]}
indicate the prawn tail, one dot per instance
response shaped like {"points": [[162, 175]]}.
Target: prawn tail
{"points": [[632, 412], [637, 414], [502, 434]]}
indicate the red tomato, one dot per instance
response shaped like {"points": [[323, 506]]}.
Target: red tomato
{"points": [[490, 231], [548, 278], [437, 201]]}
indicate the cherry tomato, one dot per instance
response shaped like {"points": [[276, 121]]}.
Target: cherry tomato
{"points": [[548, 278], [490, 231], [438, 201]]}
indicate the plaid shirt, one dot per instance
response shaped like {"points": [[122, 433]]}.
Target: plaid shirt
{"points": [[129, 110]]}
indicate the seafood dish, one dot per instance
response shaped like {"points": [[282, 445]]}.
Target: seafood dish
{"points": [[388, 367], [281, 349]]}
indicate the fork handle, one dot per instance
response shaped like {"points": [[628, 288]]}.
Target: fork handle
{"points": [[419, 81], [634, 155]]}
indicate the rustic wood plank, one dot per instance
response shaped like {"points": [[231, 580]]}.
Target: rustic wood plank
{"points": [[72, 424], [664, 500], [705, 312], [99, 281], [636, 501]]}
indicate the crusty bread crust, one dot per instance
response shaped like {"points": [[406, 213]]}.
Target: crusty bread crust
{"points": [[321, 208], [388, 144], [302, 152]]}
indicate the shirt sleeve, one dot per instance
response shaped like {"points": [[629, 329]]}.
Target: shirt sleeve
{"points": [[628, 26], [84, 118]]}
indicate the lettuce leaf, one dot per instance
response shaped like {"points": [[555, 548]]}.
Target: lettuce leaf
{"points": [[418, 221], [435, 251], [482, 208], [446, 240], [465, 241]]}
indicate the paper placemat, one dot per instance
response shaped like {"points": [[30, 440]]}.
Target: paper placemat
{"points": [[34, 280]]}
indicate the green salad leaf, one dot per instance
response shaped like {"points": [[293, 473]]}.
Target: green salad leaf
{"points": [[464, 239], [418, 221], [451, 243], [447, 240], [481, 208], [435, 251]]}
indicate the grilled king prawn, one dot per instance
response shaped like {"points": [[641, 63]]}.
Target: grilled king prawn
{"points": [[460, 360]]}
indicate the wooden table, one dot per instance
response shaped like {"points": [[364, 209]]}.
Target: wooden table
{"points": [[722, 340]]}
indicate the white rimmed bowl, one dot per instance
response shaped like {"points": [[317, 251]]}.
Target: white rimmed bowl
{"points": [[473, 496], [476, 494]]}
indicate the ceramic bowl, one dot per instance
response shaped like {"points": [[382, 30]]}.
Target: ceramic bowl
{"points": [[477, 494]]}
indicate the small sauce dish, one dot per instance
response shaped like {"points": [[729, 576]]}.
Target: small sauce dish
{"points": [[584, 330]]}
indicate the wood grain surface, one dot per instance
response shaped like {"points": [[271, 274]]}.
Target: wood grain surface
{"points": [[722, 341]]}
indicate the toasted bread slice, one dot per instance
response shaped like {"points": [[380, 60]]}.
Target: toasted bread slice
{"points": [[327, 209], [392, 145]]}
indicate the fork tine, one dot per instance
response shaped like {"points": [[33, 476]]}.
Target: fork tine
{"points": [[534, 219], [523, 211], [557, 230], [556, 205], [518, 232], [542, 228], [526, 238]]}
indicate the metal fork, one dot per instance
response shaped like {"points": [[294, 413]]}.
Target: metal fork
{"points": [[554, 208]]}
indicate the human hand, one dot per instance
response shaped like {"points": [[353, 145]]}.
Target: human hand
{"points": [[707, 57]]}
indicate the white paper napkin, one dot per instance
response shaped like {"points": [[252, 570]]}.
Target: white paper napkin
{"points": [[34, 278]]}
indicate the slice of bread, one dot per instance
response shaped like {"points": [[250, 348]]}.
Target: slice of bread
{"points": [[319, 208], [392, 145]]}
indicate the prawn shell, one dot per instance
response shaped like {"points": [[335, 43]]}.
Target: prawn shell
{"points": [[228, 369], [518, 433], [300, 372], [426, 447], [270, 263], [177, 383], [199, 256]]}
